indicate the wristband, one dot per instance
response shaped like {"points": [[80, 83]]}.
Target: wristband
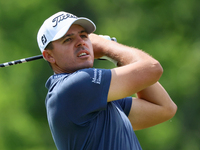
{"points": [[105, 57]]}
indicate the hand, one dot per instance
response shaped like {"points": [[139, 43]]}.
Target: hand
{"points": [[99, 45]]}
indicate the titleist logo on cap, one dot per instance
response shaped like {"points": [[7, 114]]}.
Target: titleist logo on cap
{"points": [[62, 17]]}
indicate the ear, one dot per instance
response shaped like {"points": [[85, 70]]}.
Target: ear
{"points": [[48, 56]]}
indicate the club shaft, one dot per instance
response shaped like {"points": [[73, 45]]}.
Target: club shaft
{"points": [[24, 60]]}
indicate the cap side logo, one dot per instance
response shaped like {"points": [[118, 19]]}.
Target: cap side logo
{"points": [[62, 17], [43, 39]]}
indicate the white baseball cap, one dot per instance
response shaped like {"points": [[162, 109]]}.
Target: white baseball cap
{"points": [[57, 26]]}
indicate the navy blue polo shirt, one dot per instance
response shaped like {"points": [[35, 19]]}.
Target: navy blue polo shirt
{"points": [[79, 116]]}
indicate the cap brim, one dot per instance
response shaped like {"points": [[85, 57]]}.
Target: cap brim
{"points": [[87, 24]]}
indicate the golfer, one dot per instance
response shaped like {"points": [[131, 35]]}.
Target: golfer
{"points": [[90, 108]]}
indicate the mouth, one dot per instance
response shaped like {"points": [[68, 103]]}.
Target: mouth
{"points": [[83, 53]]}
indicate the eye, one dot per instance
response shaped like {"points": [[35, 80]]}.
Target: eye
{"points": [[84, 36], [67, 40]]}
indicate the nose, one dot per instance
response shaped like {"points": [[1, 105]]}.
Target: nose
{"points": [[80, 41]]}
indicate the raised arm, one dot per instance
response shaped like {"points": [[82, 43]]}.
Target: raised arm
{"points": [[137, 70], [137, 73]]}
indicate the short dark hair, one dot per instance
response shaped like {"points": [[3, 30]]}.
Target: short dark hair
{"points": [[49, 46]]}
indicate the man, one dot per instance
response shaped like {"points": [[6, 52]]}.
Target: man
{"points": [[90, 108]]}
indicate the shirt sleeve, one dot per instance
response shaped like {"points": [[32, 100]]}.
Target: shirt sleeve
{"points": [[83, 94], [124, 104]]}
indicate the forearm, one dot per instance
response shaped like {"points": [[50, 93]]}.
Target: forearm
{"points": [[122, 54], [157, 95], [153, 106], [125, 55]]}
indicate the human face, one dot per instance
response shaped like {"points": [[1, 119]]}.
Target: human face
{"points": [[73, 51]]}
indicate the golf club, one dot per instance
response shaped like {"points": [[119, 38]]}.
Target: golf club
{"points": [[24, 60]]}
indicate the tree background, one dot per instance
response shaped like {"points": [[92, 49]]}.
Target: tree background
{"points": [[167, 30]]}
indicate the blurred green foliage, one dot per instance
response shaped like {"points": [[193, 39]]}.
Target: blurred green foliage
{"points": [[167, 30]]}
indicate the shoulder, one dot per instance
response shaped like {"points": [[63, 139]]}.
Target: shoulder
{"points": [[93, 75], [82, 76]]}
